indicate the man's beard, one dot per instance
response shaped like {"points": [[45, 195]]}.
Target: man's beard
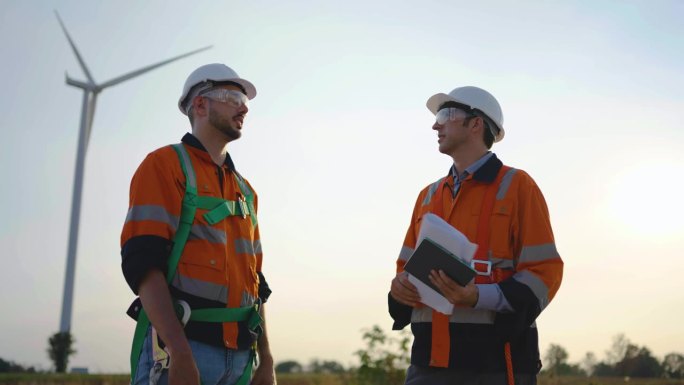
{"points": [[225, 125]]}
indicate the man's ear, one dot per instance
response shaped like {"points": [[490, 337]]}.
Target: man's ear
{"points": [[199, 105], [477, 125]]}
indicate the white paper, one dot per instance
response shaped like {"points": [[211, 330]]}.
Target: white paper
{"points": [[430, 297], [447, 236]]}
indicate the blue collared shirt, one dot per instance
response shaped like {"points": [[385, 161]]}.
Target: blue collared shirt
{"points": [[468, 171]]}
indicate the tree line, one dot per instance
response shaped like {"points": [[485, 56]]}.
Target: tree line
{"points": [[385, 358], [623, 359]]}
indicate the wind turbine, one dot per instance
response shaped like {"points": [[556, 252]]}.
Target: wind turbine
{"points": [[90, 92]]}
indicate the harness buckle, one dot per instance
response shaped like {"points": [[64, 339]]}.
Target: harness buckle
{"points": [[243, 206], [487, 266]]}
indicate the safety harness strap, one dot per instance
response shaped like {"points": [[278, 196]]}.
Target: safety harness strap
{"points": [[222, 209], [138, 340], [482, 238], [188, 209], [440, 346], [208, 203], [247, 313], [248, 196], [482, 256], [219, 209]]}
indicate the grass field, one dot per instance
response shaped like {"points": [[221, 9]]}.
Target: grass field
{"points": [[122, 379], [301, 379]]}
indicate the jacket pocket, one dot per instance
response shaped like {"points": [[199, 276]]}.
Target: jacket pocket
{"points": [[500, 242], [205, 256]]}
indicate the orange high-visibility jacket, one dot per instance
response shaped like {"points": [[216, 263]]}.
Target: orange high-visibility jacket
{"points": [[521, 246], [221, 263]]}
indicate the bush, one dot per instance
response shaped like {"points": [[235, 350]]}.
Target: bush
{"points": [[384, 360], [59, 349], [11, 367], [288, 367]]}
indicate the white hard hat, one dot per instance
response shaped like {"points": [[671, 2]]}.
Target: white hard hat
{"points": [[213, 74], [475, 98]]}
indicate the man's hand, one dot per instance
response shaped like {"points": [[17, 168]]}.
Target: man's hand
{"points": [[264, 373], [156, 300], [403, 291], [183, 370], [453, 292]]}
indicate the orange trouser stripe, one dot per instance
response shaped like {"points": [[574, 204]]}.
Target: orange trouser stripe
{"points": [[439, 355], [509, 364]]}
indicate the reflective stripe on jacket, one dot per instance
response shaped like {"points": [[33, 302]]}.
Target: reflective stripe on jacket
{"points": [[221, 263], [521, 243]]}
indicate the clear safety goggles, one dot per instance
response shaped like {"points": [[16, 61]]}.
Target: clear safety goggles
{"points": [[232, 97], [451, 113]]}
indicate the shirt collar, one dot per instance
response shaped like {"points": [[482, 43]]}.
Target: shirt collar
{"points": [[484, 169], [192, 141], [472, 168]]}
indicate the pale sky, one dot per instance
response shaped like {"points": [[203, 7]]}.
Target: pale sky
{"points": [[338, 143]]}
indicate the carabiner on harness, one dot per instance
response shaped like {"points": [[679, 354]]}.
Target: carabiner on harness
{"points": [[160, 355], [244, 208]]}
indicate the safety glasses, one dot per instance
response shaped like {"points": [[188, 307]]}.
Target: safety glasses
{"points": [[232, 97], [451, 113]]}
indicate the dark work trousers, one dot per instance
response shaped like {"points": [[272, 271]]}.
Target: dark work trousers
{"points": [[419, 375]]}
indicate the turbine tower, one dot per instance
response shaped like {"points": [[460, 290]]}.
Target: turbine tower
{"points": [[90, 92]]}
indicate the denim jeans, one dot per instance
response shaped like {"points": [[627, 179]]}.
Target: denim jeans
{"points": [[217, 365]]}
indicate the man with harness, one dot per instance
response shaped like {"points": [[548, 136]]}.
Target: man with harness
{"points": [[191, 249], [491, 336]]}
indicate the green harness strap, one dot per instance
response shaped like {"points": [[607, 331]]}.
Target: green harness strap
{"points": [[221, 208], [218, 209]]}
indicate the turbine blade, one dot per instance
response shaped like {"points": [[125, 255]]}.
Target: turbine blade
{"points": [[73, 47], [79, 84], [148, 68]]}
